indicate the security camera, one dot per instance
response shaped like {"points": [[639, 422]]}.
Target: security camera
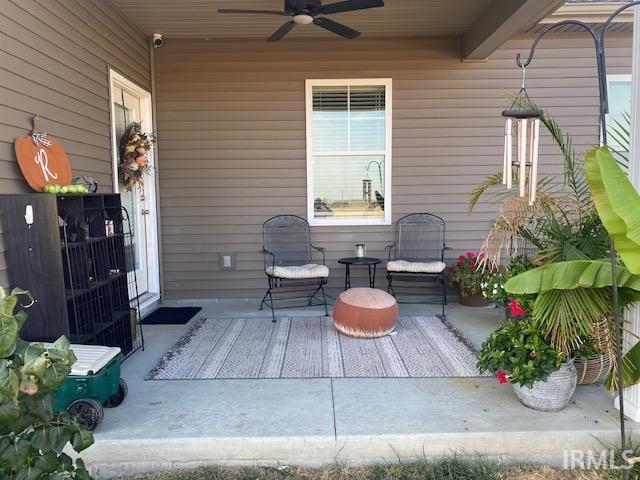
{"points": [[157, 40]]}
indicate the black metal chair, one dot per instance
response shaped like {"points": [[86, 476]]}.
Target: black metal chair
{"points": [[289, 265], [418, 253]]}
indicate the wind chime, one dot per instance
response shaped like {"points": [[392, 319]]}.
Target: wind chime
{"points": [[523, 122]]}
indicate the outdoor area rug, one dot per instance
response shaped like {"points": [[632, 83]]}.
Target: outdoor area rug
{"points": [[170, 315], [310, 347]]}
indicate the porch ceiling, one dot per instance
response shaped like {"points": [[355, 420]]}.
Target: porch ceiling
{"points": [[478, 21], [199, 18]]}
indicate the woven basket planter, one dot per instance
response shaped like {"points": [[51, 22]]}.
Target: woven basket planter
{"points": [[550, 395], [593, 369], [597, 367]]}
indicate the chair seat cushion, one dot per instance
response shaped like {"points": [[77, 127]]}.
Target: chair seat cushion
{"points": [[415, 267], [310, 270]]}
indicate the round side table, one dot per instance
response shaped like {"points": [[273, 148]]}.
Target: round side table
{"points": [[370, 262]]}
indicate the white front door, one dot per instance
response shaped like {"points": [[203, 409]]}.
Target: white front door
{"points": [[130, 103]]}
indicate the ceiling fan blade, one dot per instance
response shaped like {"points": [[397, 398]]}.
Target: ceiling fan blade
{"points": [[336, 27], [268, 12], [282, 31], [349, 6]]}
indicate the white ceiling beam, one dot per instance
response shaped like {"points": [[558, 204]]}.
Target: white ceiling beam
{"points": [[500, 21]]}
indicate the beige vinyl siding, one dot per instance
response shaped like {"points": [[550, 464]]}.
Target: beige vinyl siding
{"points": [[54, 61], [231, 119]]}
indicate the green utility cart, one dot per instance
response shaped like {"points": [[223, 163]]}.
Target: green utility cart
{"points": [[94, 383]]}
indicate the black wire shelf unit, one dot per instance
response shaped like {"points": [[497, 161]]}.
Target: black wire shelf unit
{"points": [[78, 259]]}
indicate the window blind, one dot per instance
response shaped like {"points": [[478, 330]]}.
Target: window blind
{"points": [[348, 118]]}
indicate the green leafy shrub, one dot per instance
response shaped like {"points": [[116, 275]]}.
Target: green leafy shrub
{"points": [[519, 351], [32, 436], [493, 287]]}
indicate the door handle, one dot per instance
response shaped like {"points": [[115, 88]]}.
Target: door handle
{"points": [[145, 211]]}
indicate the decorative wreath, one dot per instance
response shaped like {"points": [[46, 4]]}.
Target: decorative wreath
{"points": [[134, 148]]}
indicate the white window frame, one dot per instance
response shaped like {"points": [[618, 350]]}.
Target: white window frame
{"points": [[618, 77], [342, 82], [612, 78]]}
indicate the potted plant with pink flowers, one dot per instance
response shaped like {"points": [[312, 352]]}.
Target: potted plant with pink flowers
{"points": [[468, 278]]}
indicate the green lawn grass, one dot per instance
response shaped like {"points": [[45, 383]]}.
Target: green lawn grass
{"points": [[452, 469]]}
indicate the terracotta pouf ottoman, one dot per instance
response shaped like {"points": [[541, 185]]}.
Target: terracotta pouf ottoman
{"points": [[365, 313]]}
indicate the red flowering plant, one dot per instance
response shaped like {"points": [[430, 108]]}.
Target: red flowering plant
{"points": [[516, 310], [518, 352], [467, 275]]}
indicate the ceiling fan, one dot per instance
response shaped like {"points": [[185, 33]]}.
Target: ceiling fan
{"points": [[305, 12]]}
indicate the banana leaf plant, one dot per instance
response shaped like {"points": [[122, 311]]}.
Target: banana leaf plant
{"points": [[617, 203], [571, 295]]}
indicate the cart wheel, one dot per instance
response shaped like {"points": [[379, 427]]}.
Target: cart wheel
{"points": [[88, 412], [117, 399]]}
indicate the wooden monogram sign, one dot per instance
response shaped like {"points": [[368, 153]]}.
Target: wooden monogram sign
{"points": [[42, 161]]}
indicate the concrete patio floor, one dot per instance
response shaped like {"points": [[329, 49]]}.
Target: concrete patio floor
{"points": [[170, 424]]}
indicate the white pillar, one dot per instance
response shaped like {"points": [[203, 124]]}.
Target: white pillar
{"points": [[632, 394]]}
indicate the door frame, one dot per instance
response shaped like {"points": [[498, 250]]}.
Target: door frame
{"points": [[151, 220]]}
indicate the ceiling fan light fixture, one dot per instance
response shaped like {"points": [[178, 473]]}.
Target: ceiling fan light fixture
{"points": [[303, 19]]}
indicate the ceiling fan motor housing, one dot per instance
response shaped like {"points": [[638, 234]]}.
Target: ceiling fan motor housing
{"points": [[293, 6]]}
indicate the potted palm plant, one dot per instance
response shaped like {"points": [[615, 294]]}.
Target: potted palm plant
{"points": [[573, 296], [562, 226]]}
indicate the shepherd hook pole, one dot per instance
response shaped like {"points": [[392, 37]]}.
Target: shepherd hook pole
{"points": [[599, 41]]}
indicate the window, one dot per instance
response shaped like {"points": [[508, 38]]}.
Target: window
{"points": [[349, 152], [618, 118]]}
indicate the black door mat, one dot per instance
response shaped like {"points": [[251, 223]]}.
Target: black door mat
{"points": [[170, 315]]}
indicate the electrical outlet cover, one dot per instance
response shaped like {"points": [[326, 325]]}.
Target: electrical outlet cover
{"points": [[227, 261]]}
